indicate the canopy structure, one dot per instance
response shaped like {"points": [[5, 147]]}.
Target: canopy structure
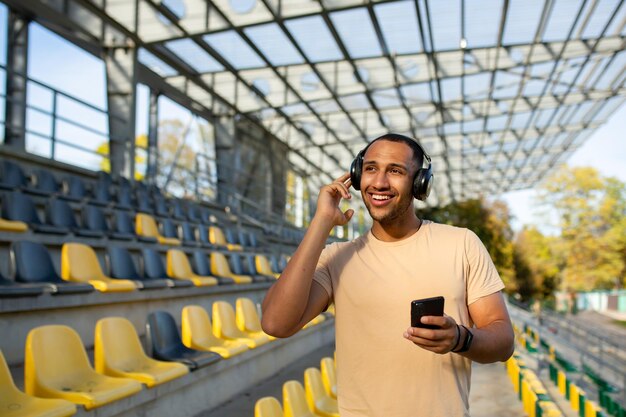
{"points": [[497, 91]]}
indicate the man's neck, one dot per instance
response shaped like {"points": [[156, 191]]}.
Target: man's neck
{"points": [[399, 230]]}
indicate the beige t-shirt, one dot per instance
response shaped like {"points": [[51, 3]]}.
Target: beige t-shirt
{"points": [[372, 283]]}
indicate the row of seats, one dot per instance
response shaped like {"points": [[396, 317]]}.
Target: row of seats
{"points": [[57, 365], [318, 397], [34, 271]]}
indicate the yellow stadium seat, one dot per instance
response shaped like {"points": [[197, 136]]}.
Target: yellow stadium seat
{"points": [[118, 352], [145, 225], [329, 376], [268, 407], [247, 318], [216, 237], [320, 402], [220, 267], [225, 326], [56, 366], [178, 267], [316, 320], [79, 263], [198, 334], [294, 400], [263, 266], [13, 226], [14, 403]]}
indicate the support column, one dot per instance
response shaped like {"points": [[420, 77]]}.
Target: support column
{"points": [[153, 138], [17, 66], [225, 155], [121, 65]]}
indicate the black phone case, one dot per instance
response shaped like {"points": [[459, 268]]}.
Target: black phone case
{"points": [[426, 307]]}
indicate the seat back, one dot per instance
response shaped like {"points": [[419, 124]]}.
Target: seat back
{"points": [[33, 262], [152, 264], [143, 201], [124, 194], [160, 205], [232, 236], [237, 265], [169, 228], [219, 265], [55, 357], [146, 225], [201, 263], [80, 263], [246, 316], [193, 213], [7, 386], [59, 213], [313, 386], [45, 181], [178, 211], [188, 232], [116, 345], [196, 326], [268, 407], [123, 222], [12, 174], [224, 323], [178, 265], [216, 236], [162, 334], [17, 206], [263, 265], [102, 191], [294, 400], [203, 234], [75, 188], [93, 218], [329, 377], [121, 263]]}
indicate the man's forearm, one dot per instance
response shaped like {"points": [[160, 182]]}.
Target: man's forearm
{"points": [[492, 343]]}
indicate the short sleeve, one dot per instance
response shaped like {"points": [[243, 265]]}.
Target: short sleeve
{"points": [[322, 273], [482, 277]]}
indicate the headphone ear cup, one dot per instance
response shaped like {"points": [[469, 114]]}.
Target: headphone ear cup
{"points": [[355, 171], [422, 183]]}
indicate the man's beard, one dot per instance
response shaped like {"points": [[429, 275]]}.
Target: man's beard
{"points": [[389, 216]]}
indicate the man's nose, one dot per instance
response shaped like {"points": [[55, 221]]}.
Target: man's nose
{"points": [[380, 180]]}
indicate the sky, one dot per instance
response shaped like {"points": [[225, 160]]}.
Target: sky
{"points": [[74, 71]]}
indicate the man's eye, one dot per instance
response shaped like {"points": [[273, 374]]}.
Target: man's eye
{"points": [[369, 168]]}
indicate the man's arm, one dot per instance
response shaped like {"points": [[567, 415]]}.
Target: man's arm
{"points": [[295, 298], [493, 335]]}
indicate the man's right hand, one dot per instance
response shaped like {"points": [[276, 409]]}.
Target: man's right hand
{"points": [[329, 198]]}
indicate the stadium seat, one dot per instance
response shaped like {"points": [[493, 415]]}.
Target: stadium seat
{"points": [[34, 265], [146, 226], [12, 176], [268, 407], [263, 266], [220, 268], [232, 237], [203, 236], [19, 207], [189, 234], [153, 268], [45, 183], [178, 267], [14, 403], [225, 326], [13, 226], [102, 192], [164, 339], [94, 220], [122, 267], [9, 288], [124, 195], [247, 318], [216, 238], [202, 267], [60, 214], [198, 334], [160, 205], [240, 266], [329, 378], [79, 263], [142, 198], [321, 403], [278, 263], [178, 209], [194, 213], [56, 366], [118, 353], [294, 400], [75, 188], [125, 230]]}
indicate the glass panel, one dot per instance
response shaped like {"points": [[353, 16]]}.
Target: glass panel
{"points": [[482, 21], [522, 20], [445, 18], [398, 22], [3, 34], [194, 55], [477, 86], [315, 39], [386, 98], [234, 49], [274, 44], [561, 20], [155, 64], [357, 32], [600, 18], [78, 157], [38, 145]]}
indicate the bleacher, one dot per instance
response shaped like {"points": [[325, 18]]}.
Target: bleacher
{"points": [[117, 299]]}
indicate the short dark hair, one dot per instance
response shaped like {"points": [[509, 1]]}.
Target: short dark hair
{"points": [[418, 151]]}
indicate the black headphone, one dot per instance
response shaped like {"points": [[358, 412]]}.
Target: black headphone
{"points": [[423, 180]]}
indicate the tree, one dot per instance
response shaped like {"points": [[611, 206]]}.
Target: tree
{"points": [[491, 222], [537, 264], [590, 211]]}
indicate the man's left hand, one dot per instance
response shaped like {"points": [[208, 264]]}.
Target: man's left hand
{"points": [[441, 340]]}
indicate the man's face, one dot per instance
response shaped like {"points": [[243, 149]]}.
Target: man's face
{"points": [[387, 180]]}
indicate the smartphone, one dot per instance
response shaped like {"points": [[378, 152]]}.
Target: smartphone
{"points": [[426, 307]]}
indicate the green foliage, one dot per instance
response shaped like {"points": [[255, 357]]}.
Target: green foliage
{"points": [[491, 222]]}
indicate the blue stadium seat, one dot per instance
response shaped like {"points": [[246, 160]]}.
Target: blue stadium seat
{"points": [[45, 183], [189, 234], [125, 228], [178, 209], [95, 220], [202, 267], [10, 288], [241, 266], [76, 190], [169, 229], [60, 214], [160, 205], [144, 204], [17, 206], [12, 176], [122, 267], [124, 195], [153, 268]]}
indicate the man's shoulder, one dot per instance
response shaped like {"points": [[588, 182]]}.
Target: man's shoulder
{"points": [[447, 229]]}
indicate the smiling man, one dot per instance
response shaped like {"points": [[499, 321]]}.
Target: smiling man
{"points": [[383, 367]]}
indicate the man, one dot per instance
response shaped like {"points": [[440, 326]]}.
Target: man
{"points": [[383, 368]]}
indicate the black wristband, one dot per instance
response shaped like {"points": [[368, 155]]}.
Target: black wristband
{"points": [[458, 338], [469, 336]]}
